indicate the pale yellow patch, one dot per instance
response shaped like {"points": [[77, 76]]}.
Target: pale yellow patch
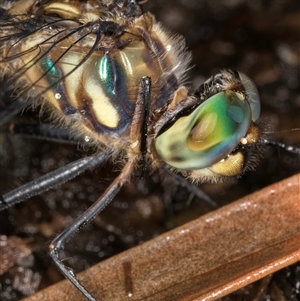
{"points": [[179, 95], [67, 65], [230, 166], [244, 141], [63, 9], [105, 112]]}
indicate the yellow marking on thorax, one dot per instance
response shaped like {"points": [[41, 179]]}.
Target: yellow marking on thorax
{"points": [[73, 80], [63, 9], [105, 112]]}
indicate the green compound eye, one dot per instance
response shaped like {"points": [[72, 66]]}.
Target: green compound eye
{"points": [[208, 134]]}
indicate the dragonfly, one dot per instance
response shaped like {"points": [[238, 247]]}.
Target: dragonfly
{"points": [[112, 78]]}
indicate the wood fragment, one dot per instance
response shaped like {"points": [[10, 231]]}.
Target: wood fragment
{"points": [[204, 259]]}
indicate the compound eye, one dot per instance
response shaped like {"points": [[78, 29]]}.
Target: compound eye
{"points": [[252, 95], [210, 133]]}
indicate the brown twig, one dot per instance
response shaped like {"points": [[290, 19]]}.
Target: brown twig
{"points": [[204, 259]]}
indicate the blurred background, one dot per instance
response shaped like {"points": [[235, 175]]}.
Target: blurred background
{"points": [[258, 38]]}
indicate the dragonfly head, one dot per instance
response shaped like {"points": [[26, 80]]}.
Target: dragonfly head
{"points": [[210, 135]]}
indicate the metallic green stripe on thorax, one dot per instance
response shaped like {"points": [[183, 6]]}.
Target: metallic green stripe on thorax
{"points": [[101, 91]]}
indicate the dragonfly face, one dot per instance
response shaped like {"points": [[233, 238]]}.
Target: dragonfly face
{"points": [[84, 61]]}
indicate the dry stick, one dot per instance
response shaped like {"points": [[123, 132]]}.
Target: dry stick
{"points": [[203, 259]]}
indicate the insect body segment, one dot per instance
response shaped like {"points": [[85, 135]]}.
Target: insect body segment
{"points": [[90, 72]]}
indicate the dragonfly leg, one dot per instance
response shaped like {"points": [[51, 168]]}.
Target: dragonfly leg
{"points": [[52, 179], [59, 242]]}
